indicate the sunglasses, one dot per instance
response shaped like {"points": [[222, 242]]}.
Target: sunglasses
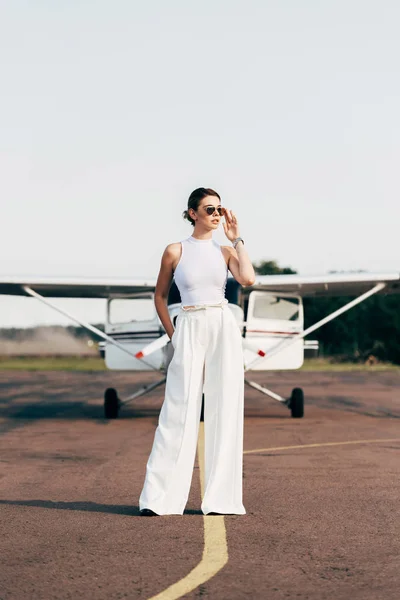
{"points": [[210, 210]]}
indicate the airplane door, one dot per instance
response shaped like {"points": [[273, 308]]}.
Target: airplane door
{"points": [[273, 318], [133, 323]]}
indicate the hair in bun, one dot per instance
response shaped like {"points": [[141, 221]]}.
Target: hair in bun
{"points": [[194, 201]]}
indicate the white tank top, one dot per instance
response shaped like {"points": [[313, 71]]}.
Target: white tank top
{"points": [[201, 272]]}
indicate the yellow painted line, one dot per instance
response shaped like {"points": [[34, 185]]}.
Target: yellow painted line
{"points": [[215, 551], [321, 445]]}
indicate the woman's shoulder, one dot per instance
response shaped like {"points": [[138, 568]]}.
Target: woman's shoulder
{"points": [[173, 249]]}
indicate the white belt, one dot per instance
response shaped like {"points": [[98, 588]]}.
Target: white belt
{"points": [[205, 306]]}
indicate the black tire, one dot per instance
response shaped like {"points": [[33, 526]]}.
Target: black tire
{"points": [[202, 409], [296, 403], [111, 403]]}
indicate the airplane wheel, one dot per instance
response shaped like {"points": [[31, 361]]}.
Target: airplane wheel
{"points": [[111, 403], [296, 403]]}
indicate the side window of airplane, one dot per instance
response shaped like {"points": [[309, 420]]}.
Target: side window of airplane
{"points": [[128, 310], [269, 306]]}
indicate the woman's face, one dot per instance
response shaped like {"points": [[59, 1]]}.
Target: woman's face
{"points": [[207, 213]]}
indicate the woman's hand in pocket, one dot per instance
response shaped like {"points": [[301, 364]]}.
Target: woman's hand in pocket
{"points": [[173, 339]]}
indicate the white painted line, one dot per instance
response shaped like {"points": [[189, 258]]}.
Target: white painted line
{"points": [[215, 551]]}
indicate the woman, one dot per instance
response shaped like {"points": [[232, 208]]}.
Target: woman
{"points": [[207, 357]]}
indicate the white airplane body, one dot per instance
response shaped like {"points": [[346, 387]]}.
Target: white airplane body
{"points": [[269, 314]]}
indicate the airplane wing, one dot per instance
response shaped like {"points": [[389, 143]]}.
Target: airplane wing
{"points": [[69, 287], [333, 284]]}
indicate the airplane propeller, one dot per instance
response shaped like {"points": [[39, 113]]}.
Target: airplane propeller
{"points": [[153, 346]]}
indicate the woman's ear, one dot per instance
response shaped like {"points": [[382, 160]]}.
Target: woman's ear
{"points": [[192, 214]]}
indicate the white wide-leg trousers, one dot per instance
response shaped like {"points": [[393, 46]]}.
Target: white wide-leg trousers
{"points": [[208, 357]]}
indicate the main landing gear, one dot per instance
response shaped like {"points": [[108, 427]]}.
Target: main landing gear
{"points": [[295, 403], [112, 402]]}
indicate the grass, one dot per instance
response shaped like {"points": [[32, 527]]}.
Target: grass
{"points": [[94, 363], [327, 364], [52, 363]]}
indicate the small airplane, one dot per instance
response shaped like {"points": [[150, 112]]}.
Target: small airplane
{"points": [[269, 314]]}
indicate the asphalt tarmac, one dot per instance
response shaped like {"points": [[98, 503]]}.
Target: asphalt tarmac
{"points": [[321, 494]]}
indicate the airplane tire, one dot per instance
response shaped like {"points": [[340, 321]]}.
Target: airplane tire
{"points": [[296, 403], [111, 403]]}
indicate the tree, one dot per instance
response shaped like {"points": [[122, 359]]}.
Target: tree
{"points": [[271, 267]]}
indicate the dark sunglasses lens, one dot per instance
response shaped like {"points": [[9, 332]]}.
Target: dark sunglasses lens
{"points": [[211, 210]]}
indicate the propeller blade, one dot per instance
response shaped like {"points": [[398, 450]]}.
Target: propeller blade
{"points": [[248, 346], [153, 346]]}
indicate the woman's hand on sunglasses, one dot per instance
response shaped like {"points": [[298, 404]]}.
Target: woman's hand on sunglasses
{"points": [[231, 225]]}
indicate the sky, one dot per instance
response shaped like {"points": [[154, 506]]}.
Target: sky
{"points": [[111, 113]]}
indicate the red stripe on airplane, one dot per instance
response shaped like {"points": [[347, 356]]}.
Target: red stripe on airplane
{"points": [[139, 355], [273, 332]]}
